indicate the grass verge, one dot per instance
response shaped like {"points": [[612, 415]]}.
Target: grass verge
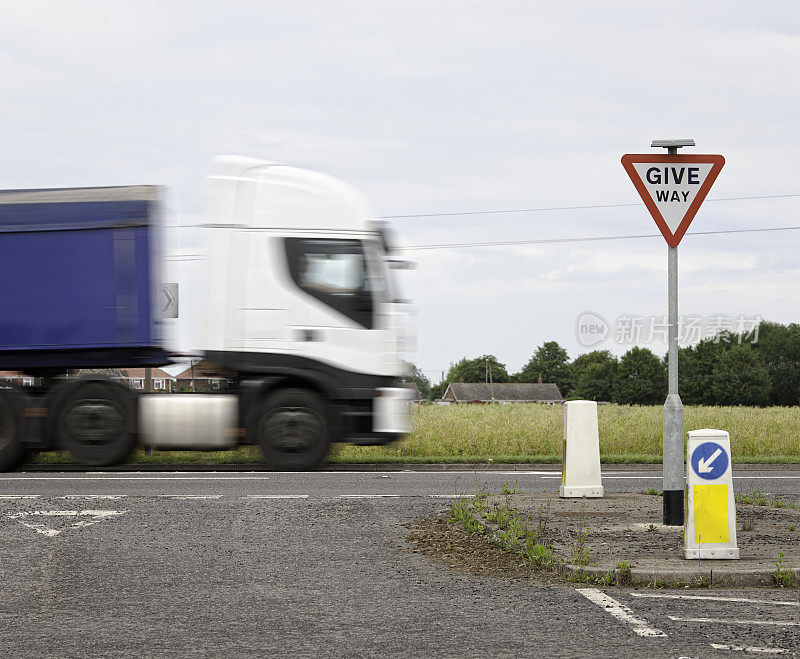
{"points": [[531, 433]]}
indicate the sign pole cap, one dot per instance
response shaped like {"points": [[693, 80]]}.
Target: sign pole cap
{"points": [[672, 144]]}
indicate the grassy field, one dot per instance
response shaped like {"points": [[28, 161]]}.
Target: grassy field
{"points": [[533, 433]]}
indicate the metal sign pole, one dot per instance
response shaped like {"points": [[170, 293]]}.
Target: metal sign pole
{"points": [[672, 188], [672, 461], [673, 410]]}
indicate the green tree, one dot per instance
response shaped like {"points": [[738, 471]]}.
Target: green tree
{"points": [[480, 369], [413, 374], [594, 374], [552, 362], [437, 390], [739, 378], [641, 378], [696, 367], [778, 347]]}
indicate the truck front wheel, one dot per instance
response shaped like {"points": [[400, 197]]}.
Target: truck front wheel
{"points": [[96, 423], [293, 428], [12, 450]]}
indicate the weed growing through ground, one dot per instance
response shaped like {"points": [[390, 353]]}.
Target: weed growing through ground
{"points": [[461, 512], [623, 572], [653, 491], [608, 579], [783, 575], [580, 550]]}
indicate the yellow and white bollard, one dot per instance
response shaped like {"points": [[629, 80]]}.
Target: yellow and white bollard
{"points": [[580, 466], [710, 527]]}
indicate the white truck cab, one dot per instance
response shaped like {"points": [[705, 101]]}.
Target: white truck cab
{"points": [[297, 271]]}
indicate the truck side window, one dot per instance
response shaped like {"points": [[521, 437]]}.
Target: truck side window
{"points": [[335, 273]]}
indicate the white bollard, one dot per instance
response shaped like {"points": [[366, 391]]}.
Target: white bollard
{"points": [[710, 528], [580, 465]]}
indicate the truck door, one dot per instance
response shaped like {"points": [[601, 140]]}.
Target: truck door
{"points": [[342, 296]]}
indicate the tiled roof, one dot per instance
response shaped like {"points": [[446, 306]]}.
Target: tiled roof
{"points": [[518, 391], [139, 373]]}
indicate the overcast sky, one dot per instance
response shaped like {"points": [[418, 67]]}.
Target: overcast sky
{"points": [[441, 107]]}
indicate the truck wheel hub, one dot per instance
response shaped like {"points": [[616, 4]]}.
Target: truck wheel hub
{"points": [[293, 429], [94, 422]]}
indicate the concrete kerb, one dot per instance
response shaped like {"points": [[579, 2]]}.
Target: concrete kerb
{"points": [[677, 577]]}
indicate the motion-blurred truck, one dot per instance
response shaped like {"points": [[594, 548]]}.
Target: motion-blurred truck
{"points": [[294, 295]]}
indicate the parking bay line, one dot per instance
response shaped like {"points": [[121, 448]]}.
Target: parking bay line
{"points": [[748, 648], [737, 621], [620, 612], [712, 598]]}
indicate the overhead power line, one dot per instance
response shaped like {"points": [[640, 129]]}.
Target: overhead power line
{"points": [[548, 241], [568, 208]]}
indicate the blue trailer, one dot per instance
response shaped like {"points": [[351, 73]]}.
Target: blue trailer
{"points": [[79, 267]]}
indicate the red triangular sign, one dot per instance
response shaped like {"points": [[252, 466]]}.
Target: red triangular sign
{"points": [[672, 187]]}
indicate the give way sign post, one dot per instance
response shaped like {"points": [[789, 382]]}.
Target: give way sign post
{"points": [[673, 187]]}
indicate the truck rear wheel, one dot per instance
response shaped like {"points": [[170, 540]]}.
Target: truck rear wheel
{"points": [[293, 428], [96, 423], [12, 428]]}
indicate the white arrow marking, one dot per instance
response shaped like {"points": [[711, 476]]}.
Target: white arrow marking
{"points": [[704, 466], [94, 516]]}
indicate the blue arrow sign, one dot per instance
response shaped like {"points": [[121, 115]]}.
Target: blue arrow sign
{"points": [[709, 460]]}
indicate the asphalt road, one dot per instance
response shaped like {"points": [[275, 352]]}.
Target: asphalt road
{"points": [[242, 564]]}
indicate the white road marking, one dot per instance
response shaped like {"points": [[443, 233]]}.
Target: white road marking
{"points": [[255, 475], [620, 612], [749, 648], [191, 496], [19, 496], [612, 478], [369, 496], [499, 473], [109, 497], [452, 496], [737, 621], [134, 478], [95, 516], [715, 599], [276, 496], [659, 477]]}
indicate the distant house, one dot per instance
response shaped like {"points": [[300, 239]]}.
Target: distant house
{"points": [[203, 376], [16, 378], [514, 392], [135, 378]]}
